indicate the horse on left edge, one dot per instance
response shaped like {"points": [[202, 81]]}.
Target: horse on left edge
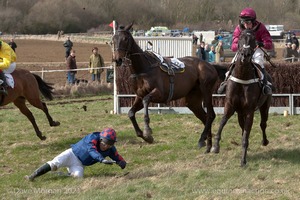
{"points": [[151, 84], [27, 87]]}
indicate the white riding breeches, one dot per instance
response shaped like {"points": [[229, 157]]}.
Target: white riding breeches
{"points": [[11, 68], [69, 160], [257, 57]]}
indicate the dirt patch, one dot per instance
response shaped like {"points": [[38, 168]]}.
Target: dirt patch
{"points": [[35, 55], [53, 51]]}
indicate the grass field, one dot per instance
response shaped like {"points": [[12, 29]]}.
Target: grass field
{"points": [[171, 168]]}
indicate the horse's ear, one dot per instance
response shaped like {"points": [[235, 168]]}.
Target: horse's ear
{"points": [[128, 27], [116, 25]]}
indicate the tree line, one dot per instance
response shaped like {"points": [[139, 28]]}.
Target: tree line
{"points": [[73, 16]]}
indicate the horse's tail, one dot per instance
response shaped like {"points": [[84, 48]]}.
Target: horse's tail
{"points": [[44, 87], [221, 69]]}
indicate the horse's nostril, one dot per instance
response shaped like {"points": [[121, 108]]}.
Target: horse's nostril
{"points": [[119, 62]]}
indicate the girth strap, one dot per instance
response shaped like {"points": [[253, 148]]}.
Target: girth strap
{"points": [[171, 74]]}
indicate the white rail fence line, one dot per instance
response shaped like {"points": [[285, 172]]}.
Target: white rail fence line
{"points": [[43, 71], [291, 109]]}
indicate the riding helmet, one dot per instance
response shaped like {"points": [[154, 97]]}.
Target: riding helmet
{"points": [[108, 136], [248, 14]]}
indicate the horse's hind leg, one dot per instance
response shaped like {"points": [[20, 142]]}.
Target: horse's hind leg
{"points": [[20, 103], [36, 102], [50, 120], [193, 102]]}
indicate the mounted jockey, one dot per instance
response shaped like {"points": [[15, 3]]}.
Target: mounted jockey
{"points": [[7, 64], [247, 20]]}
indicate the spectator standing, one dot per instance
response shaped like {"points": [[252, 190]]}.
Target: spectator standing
{"points": [[294, 53], [96, 61], [211, 56], [215, 41], [71, 67], [219, 52], [206, 49], [195, 39], [287, 52], [295, 41], [68, 44], [198, 52], [201, 37], [12, 44]]}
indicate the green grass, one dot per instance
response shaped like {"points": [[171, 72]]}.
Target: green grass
{"points": [[171, 168]]}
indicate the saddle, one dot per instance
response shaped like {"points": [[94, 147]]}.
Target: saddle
{"points": [[169, 65]]}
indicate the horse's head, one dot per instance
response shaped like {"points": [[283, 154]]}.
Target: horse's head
{"points": [[122, 43], [247, 44]]}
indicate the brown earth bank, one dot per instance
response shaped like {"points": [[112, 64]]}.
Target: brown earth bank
{"points": [[37, 55]]}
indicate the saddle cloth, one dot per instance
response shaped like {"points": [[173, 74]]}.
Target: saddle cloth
{"points": [[170, 64]]}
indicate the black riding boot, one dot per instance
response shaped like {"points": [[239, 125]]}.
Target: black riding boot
{"points": [[3, 83], [266, 88], [40, 171], [222, 88]]}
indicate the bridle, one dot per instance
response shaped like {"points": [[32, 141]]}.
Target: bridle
{"points": [[246, 47], [126, 49]]}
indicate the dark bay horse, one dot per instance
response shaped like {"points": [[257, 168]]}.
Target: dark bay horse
{"points": [[151, 84], [244, 95], [27, 87]]}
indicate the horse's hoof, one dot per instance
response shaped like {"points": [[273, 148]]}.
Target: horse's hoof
{"points": [[55, 124], [265, 142], [149, 139], [243, 164], [43, 137], [207, 151], [201, 144], [215, 150]]}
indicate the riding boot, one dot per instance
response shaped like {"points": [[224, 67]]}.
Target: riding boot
{"points": [[222, 88], [3, 83], [266, 88], [40, 171]]}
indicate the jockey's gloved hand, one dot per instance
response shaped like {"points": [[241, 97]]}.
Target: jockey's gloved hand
{"points": [[108, 162], [259, 44], [122, 164]]}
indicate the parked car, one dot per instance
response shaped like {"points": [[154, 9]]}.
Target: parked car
{"points": [[157, 31], [139, 33], [175, 33]]}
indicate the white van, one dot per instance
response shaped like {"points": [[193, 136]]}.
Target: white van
{"points": [[157, 31]]}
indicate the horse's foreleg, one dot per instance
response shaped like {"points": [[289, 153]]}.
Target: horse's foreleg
{"points": [[20, 103], [264, 114], [137, 105], [246, 133], [147, 130], [227, 114]]}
